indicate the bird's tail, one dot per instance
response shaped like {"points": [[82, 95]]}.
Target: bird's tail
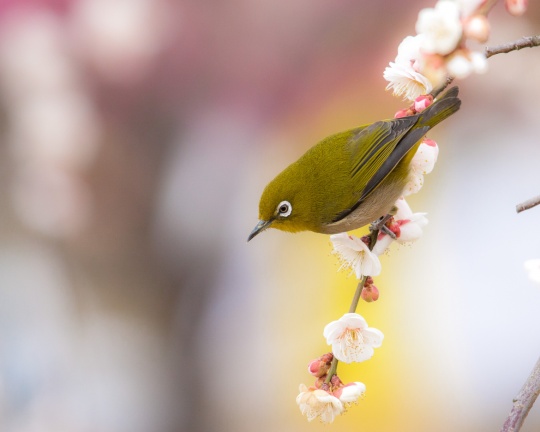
{"points": [[441, 109]]}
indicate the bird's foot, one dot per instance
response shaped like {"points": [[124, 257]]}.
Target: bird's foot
{"points": [[389, 232]]}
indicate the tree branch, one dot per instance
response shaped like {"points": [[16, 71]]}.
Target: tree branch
{"points": [[526, 42], [524, 401], [526, 205]]}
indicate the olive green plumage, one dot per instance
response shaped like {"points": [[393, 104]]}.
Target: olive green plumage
{"points": [[352, 178]]}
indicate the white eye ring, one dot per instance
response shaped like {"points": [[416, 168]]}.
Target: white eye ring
{"points": [[284, 208]]}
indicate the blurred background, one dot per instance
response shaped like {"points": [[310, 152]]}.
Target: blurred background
{"points": [[136, 137]]}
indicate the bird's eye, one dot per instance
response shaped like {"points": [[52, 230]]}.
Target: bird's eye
{"points": [[284, 208]]}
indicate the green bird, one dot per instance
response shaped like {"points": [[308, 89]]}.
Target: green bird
{"points": [[352, 178]]}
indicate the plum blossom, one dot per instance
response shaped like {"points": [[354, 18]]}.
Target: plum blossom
{"points": [[351, 338], [477, 28], [355, 254], [406, 225], [464, 62], [441, 26], [404, 81], [409, 52], [317, 403], [349, 393], [533, 268], [469, 7], [403, 75], [516, 7], [422, 163]]}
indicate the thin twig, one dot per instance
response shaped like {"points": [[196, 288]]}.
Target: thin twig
{"points": [[374, 234], [436, 92], [524, 401], [526, 42], [526, 205]]}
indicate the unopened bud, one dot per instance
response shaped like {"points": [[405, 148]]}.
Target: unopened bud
{"points": [[324, 386], [477, 28], [429, 142], [393, 226], [336, 382], [516, 7], [406, 112], [366, 239], [319, 367], [422, 102], [370, 293]]}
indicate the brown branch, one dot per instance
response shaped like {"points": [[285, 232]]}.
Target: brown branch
{"points": [[526, 205], [436, 92], [524, 401], [526, 42]]}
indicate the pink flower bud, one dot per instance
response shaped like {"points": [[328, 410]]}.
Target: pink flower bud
{"points": [[516, 7], [366, 240], [404, 113], [370, 293], [477, 28], [319, 367], [429, 142], [322, 385], [422, 102]]}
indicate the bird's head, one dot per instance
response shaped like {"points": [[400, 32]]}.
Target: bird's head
{"points": [[283, 206]]}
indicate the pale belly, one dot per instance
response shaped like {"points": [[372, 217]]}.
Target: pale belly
{"points": [[376, 205]]}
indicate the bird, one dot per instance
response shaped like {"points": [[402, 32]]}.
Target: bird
{"points": [[351, 178]]}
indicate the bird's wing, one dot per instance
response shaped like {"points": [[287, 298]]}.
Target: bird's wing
{"points": [[376, 150]]}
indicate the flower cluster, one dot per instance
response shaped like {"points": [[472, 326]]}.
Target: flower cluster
{"points": [[424, 62], [352, 341], [403, 227], [440, 48]]}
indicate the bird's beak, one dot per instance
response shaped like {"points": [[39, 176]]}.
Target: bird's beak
{"points": [[260, 227]]}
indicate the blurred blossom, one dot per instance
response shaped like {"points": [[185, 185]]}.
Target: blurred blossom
{"points": [[533, 269], [51, 201], [477, 27], [516, 7], [53, 128], [441, 26], [468, 7], [62, 130], [463, 62], [120, 37], [33, 56]]}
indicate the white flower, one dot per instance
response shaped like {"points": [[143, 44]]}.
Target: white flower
{"points": [[318, 403], [441, 26], [351, 338], [409, 51], [468, 7], [477, 28], [463, 63], [422, 163], [410, 227], [516, 7], [479, 62], [459, 66], [351, 392], [354, 253], [533, 267], [404, 81]]}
